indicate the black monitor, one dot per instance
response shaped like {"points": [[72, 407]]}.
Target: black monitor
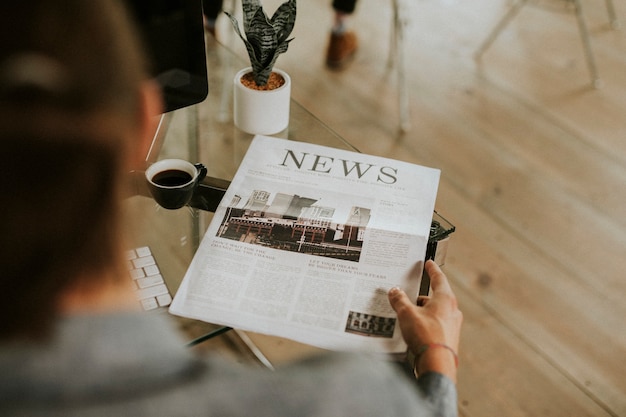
{"points": [[173, 36]]}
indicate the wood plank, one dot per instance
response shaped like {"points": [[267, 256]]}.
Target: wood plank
{"points": [[534, 176], [546, 76], [490, 170], [501, 375], [518, 285]]}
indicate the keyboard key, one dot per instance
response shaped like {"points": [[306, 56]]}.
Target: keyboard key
{"points": [[150, 287], [137, 273], [143, 251], [152, 291], [150, 281], [142, 262], [151, 270], [164, 300], [149, 303]]}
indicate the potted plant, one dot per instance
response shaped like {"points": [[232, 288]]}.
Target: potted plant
{"points": [[261, 92]]}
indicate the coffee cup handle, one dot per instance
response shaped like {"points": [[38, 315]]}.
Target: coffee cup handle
{"points": [[202, 171]]}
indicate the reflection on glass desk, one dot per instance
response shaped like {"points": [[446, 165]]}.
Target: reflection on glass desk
{"points": [[205, 133]]}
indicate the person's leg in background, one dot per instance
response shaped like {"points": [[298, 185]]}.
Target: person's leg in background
{"points": [[211, 9], [343, 43]]}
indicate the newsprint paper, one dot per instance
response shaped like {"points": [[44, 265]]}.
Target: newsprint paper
{"points": [[306, 242]]}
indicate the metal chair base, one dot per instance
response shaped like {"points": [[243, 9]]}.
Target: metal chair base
{"points": [[582, 26]]}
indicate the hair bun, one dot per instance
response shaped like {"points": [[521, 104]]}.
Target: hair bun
{"points": [[33, 74]]}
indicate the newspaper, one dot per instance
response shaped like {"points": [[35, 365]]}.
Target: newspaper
{"points": [[306, 243]]}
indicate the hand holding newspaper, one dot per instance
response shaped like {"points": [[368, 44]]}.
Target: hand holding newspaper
{"points": [[306, 243]]}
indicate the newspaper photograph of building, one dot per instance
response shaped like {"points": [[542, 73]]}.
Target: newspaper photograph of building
{"points": [[370, 325], [295, 223]]}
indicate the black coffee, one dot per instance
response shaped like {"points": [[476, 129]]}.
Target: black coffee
{"points": [[171, 178]]}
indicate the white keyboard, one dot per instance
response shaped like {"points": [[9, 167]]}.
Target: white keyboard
{"points": [[150, 287]]}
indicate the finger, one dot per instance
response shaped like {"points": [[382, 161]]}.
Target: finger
{"points": [[398, 299], [438, 280]]}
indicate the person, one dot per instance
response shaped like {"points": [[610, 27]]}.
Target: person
{"points": [[76, 113], [342, 44], [211, 10]]}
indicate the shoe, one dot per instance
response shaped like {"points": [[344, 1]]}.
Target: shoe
{"points": [[341, 49], [209, 26]]}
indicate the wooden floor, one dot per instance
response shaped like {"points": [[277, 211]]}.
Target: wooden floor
{"points": [[533, 167]]}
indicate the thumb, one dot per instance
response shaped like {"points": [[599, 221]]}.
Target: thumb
{"points": [[399, 300]]}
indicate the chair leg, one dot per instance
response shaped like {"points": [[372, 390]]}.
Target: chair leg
{"points": [[506, 19], [225, 110], [582, 26], [612, 16], [398, 49], [584, 34]]}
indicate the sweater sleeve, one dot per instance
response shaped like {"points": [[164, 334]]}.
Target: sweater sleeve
{"points": [[360, 385], [439, 392]]}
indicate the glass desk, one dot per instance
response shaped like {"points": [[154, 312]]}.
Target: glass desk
{"points": [[205, 133]]}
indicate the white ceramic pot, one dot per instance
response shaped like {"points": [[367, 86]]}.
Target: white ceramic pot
{"points": [[261, 112]]}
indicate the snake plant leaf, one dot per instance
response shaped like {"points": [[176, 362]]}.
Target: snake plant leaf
{"points": [[284, 19], [262, 37], [250, 8], [265, 38]]}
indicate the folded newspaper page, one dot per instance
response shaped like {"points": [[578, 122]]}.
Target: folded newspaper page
{"points": [[306, 243]]}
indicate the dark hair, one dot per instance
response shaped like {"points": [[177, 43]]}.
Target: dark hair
{"points": [[70, 73]]}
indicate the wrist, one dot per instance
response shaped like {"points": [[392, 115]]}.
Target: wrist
{"points": [[436, 357]]}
